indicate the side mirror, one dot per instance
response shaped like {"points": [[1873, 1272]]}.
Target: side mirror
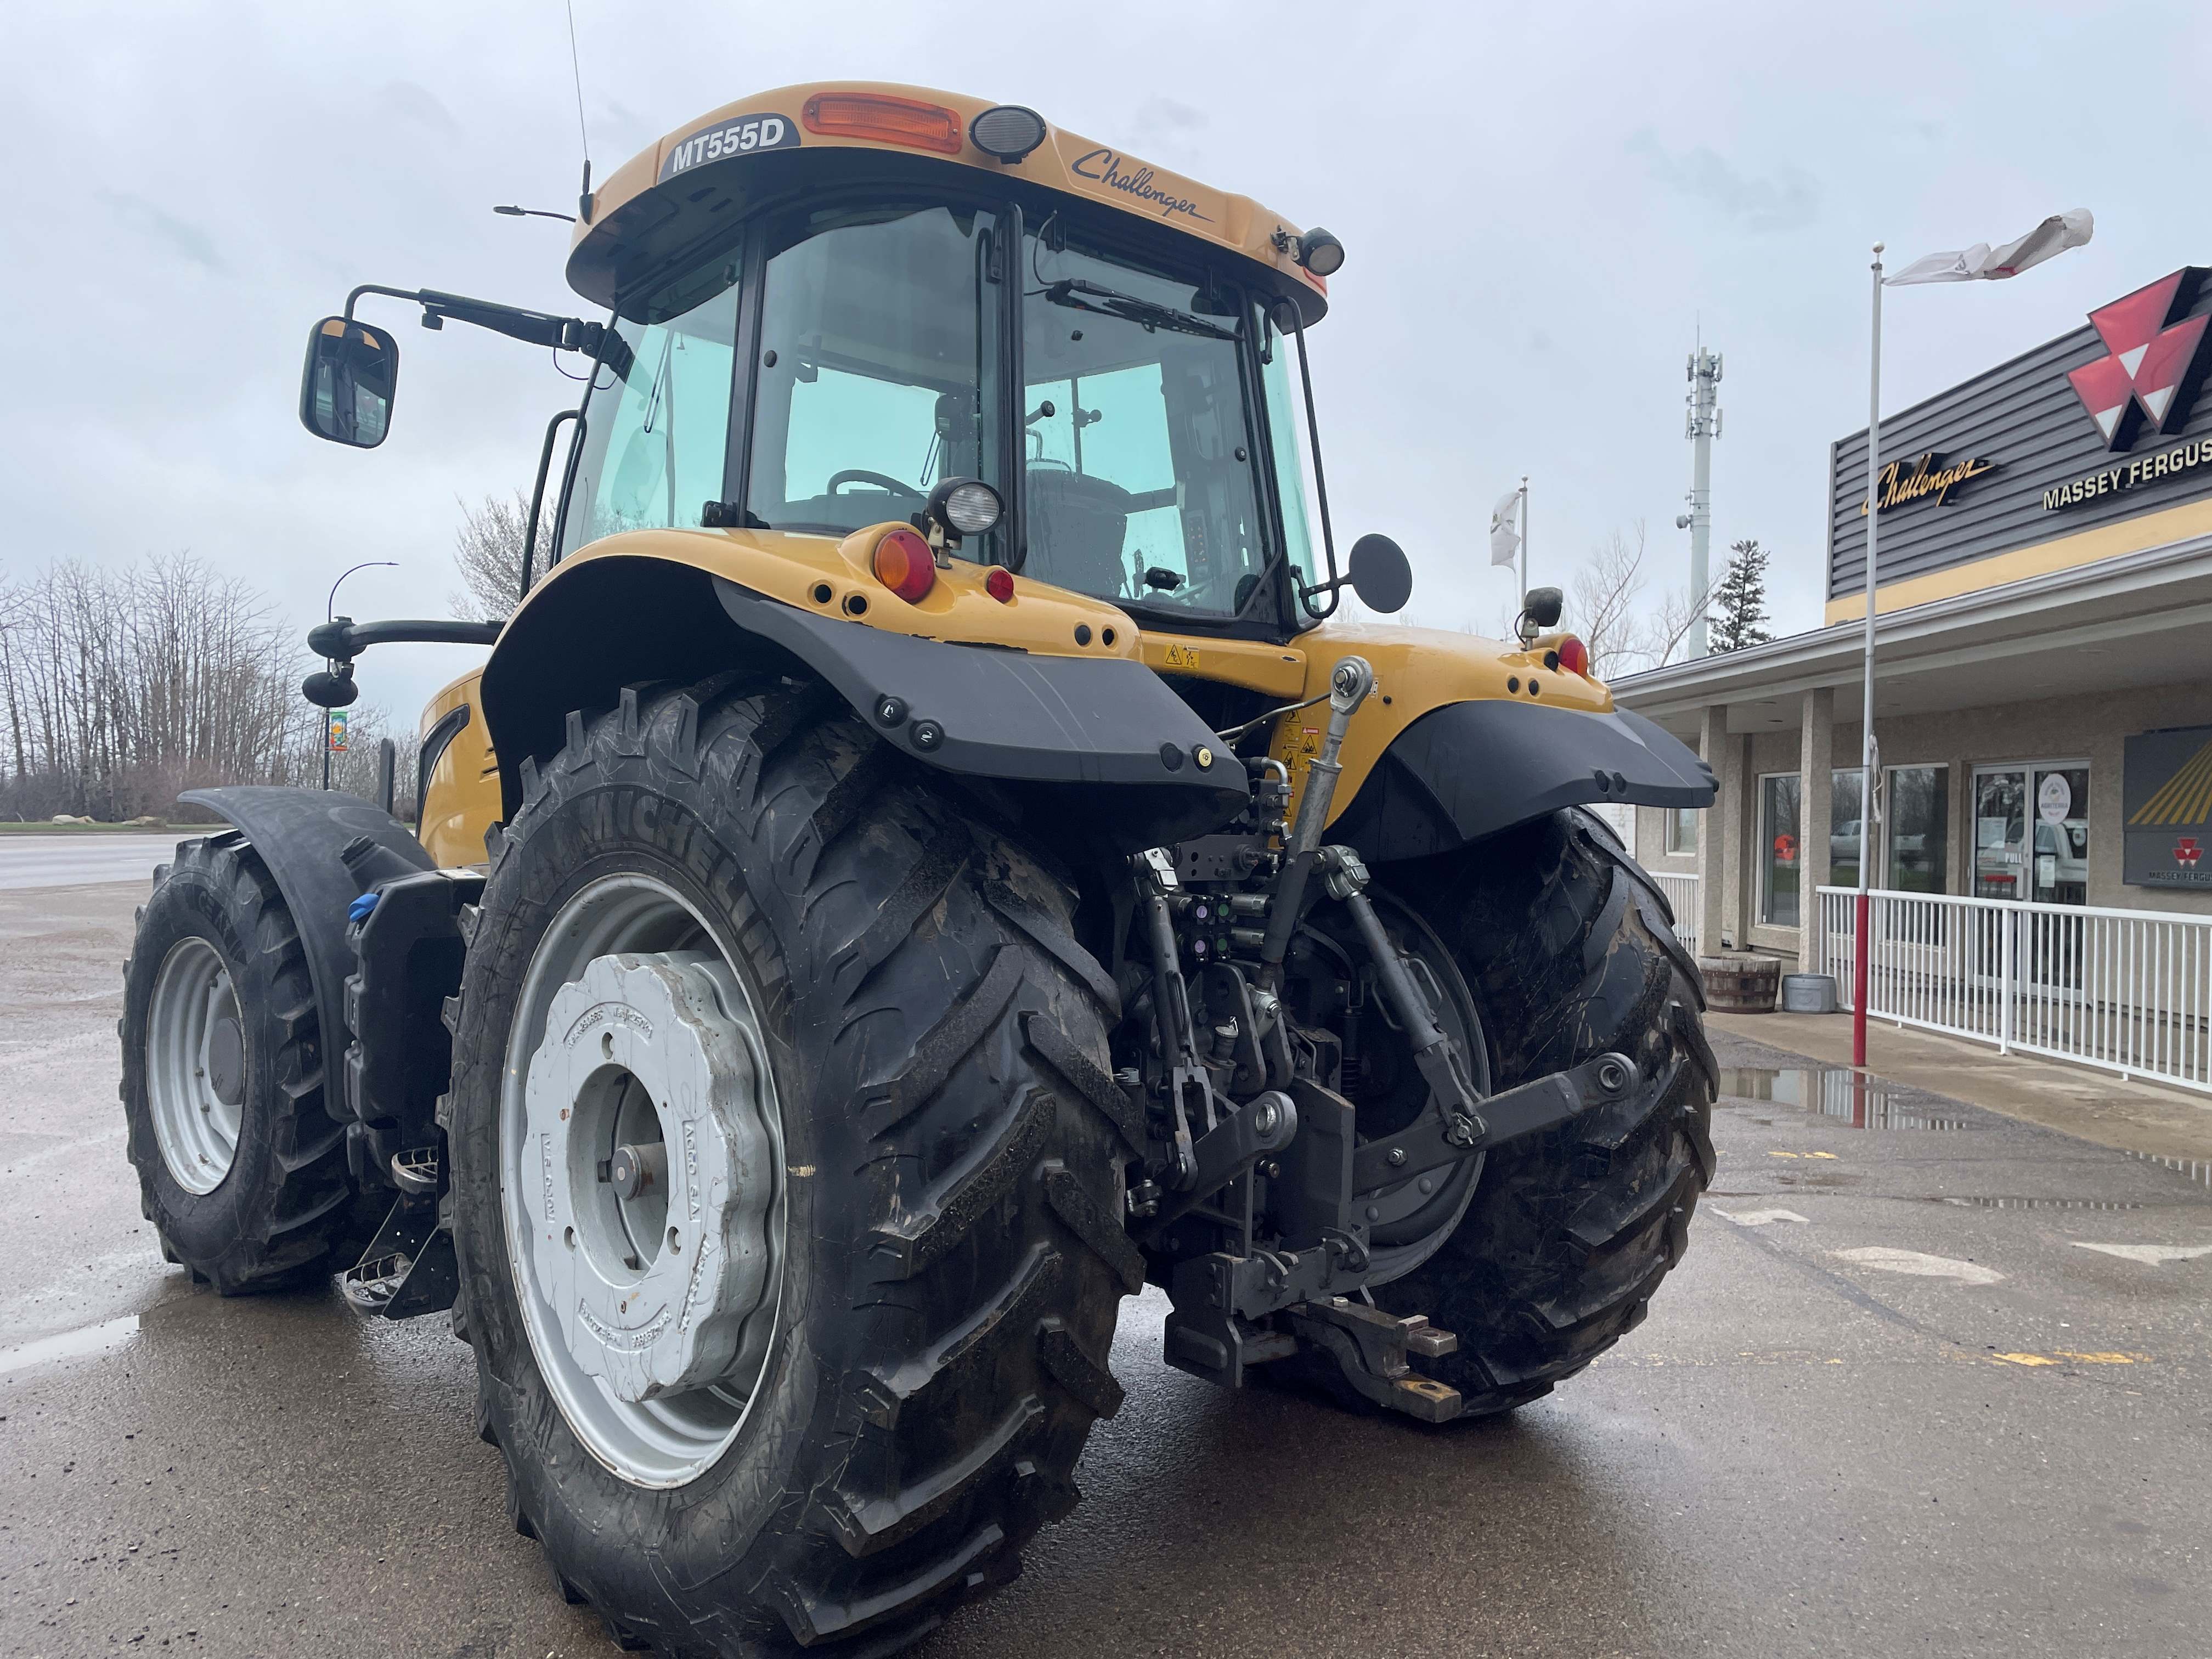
{"points": [[346, 388], [1380, 574]]}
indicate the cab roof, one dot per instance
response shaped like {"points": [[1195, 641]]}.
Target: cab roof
{"points": [[772, 148]]}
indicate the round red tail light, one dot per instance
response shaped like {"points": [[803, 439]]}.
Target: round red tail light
{"points": [[1574, 655], [903, 563], [998, 583]]}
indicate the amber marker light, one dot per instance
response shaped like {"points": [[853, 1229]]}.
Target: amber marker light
{"points": [[904, 564], [888, 120], [1574, 656]]}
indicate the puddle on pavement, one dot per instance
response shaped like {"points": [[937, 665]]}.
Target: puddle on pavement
{"points": [[1851, 1098], [69, 1344]]}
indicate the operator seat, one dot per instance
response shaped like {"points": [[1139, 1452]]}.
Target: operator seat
{"points": [[1076, 527]]}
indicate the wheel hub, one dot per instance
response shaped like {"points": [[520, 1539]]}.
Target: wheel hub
{"points": [[195, 1066], [649, 1172]]}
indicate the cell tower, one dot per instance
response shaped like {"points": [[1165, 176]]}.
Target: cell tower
{"points": [[1703, 426]]}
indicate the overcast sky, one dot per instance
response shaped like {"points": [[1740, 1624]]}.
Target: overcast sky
{"points": [[1539, 203]]}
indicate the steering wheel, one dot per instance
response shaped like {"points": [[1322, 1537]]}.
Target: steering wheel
{"points": [[861, 474]]}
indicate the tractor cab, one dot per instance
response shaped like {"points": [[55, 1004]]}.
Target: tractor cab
{"points": [[884, 291]]}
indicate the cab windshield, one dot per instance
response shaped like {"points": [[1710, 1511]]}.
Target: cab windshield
{"points": [[1146, 444]]}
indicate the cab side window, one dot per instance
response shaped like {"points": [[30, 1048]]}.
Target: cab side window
{"points": [[878, 357], [657, 423]]}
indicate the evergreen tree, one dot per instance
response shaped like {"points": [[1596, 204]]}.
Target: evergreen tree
{"points": [[1739, 601]]}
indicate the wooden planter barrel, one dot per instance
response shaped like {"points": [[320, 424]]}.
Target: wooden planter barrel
{"points": [[1740, 985]]}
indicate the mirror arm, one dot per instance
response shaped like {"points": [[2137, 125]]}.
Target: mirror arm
{"points": [[1336, 578], [537, 499], [531, 327], [341, 641]]}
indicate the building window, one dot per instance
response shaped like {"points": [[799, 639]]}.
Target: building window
{"points": [[1778, 854], [1919, 829], [1845, 830], [1682, 831]]}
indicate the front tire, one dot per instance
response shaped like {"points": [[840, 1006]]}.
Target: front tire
{"points": [[241, 1170], [1570, 948], [951, 1248]]}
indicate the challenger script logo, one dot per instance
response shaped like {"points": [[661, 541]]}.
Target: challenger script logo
{"points": [[2157, 364]]}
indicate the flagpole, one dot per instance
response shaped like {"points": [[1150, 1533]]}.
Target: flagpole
{"points": [[1524, 535], [1865, 903]]}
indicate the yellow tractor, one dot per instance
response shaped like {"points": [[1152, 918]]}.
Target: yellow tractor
{"points": [[922, 863]]}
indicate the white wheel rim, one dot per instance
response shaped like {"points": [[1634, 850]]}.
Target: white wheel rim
{"points": [[671, 1438], [196, 1067]]}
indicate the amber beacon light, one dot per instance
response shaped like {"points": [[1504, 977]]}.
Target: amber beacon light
{"points": [[888, 120]]}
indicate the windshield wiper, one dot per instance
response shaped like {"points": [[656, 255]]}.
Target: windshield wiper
{"points": [[1111, 302]]}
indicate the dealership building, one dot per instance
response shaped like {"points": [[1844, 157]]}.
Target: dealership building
{"points": [[2043, 703]]}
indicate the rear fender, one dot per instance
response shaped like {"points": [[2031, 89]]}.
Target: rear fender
{"points": [[1470, 769], [1097, 747]]}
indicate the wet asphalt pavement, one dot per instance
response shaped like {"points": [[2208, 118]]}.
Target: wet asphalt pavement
{"points": [[1990, 1438]]}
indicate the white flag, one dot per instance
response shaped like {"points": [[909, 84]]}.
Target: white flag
{"points": [[1984, 263], [1504, 537]]}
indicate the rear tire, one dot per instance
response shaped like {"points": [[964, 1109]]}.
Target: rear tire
{"points": [[241, 1170], [1571, 952], [953, 1251]]}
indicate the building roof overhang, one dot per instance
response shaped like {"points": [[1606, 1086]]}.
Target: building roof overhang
{"points": [[2141, 620]]}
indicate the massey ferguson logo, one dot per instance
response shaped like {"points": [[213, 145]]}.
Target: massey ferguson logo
{"points": [[2158, 360], [2186, 852]]}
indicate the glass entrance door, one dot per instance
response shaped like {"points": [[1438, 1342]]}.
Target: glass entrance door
{"points": [[2032, 833], [2062, 835], [2001, 834], [2032, 842]]}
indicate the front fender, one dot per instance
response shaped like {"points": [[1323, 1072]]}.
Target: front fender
{"points": [[1469, 769], [306, 837]]}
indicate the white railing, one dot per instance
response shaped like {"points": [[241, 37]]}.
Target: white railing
{"points": [[1681, 893], [2127, 990]]}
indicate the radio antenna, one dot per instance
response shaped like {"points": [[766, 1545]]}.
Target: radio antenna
{"points": [[576, 69]]}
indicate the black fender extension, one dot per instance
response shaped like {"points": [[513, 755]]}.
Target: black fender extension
{"points": [[1470, 769]]}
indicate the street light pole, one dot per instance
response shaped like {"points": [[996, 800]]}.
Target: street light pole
{"points": [[330, 612], [1865, 903]]}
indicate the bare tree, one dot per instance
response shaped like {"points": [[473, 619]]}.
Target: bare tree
{"points": [[1602, 602], [487, 554], [124, 688], [1606, 608]]}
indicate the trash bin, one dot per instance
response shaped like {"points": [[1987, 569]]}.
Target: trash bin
{"points": [[1808, 993]]}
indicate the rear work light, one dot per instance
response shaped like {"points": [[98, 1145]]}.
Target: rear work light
{"points": [[884, 118], [1574, 655], [904, 564]]}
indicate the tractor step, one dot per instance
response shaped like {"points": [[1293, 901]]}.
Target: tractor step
{"points": [[409, 1267], [370, 1286], [415, 1170]]}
